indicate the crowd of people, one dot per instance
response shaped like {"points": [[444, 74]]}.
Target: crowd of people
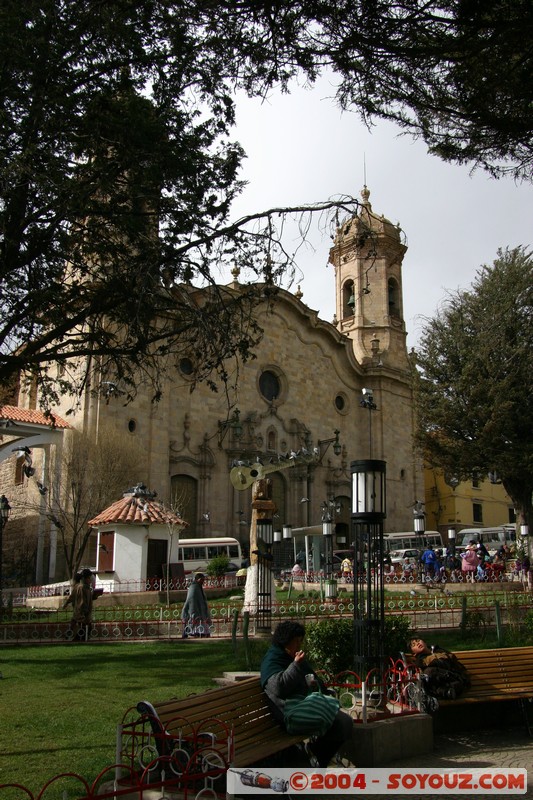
{"points": [[470, 564]]}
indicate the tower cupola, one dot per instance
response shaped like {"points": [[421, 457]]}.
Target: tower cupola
{"points": [[367, 255]]}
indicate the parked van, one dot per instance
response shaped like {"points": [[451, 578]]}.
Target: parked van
{"points": [[492, 538]]}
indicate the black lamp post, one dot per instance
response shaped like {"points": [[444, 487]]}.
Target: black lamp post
{"points": [[327, 532], [451, 542], [368, 513], [5, 508]]}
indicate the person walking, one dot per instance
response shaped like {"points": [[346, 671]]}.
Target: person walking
{"points": [[195, 612], [430, 561], [347, 570], [469, 562], [81, 599]]}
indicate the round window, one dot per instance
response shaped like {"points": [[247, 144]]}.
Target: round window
{"points": [[341, 403], [269, 385], [186, 366]]}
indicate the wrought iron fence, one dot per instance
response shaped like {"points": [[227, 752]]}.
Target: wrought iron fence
{"points": [[130, 623]]}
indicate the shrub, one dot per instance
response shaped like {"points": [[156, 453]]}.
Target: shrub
{"points": [[526, 630], [218, 566], [329, 643], [397, 632]]}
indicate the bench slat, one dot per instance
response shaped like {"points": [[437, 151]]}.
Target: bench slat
{"points": [[242, 707], [497, 674]]}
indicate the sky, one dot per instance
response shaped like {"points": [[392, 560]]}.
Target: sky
{"points": [[302, 149]]}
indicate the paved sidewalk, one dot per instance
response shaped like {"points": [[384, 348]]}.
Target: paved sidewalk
{"points": [[487, 749], [511, 748]]}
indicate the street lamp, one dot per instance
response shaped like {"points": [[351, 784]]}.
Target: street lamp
{"points": [[327, 532], [5, 508], [419, 520], [329, 509], [323, 445], [451, 541], [368, 513], [287, 531], [233, 424]]}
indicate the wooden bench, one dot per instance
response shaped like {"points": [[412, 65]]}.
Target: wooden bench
{"points": [[496, 675], [232, 722]]}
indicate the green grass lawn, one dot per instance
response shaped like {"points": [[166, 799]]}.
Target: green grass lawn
{"points": [[61, 703]]}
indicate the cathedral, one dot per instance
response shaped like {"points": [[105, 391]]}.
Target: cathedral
{"points": [[339, 389]]}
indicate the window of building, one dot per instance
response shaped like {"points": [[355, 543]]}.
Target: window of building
{"points": [[512, 516], [394, 298], [271, 440], [477, 512], [348, 299], [269, 385], [184, 500], [19, 471], [341, 403], [186, 366]]}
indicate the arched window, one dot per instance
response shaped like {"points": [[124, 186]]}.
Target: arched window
{"points": [[184, 500], [394, 298], [348, 299], [272, 440]]}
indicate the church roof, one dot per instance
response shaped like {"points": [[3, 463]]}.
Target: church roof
{"points": [[31, 416], [134, 510]]}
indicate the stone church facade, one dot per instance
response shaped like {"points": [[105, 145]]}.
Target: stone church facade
{"points": [[304, 385]]}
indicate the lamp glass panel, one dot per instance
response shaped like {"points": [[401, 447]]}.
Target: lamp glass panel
{"points": [[420, 524], [368, 496]]}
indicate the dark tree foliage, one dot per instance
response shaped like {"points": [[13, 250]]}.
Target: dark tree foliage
{"points": [[475, 364], [116, 179], [117, 173]]}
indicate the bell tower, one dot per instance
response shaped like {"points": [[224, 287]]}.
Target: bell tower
{"points": [[367, 255]]}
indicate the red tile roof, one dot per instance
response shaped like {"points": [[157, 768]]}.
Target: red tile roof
{"points": [[32, 417], [131, 510]]}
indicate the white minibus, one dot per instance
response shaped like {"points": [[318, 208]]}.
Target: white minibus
{"points": [[195, 554], [492, 538], [410, 541]]}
